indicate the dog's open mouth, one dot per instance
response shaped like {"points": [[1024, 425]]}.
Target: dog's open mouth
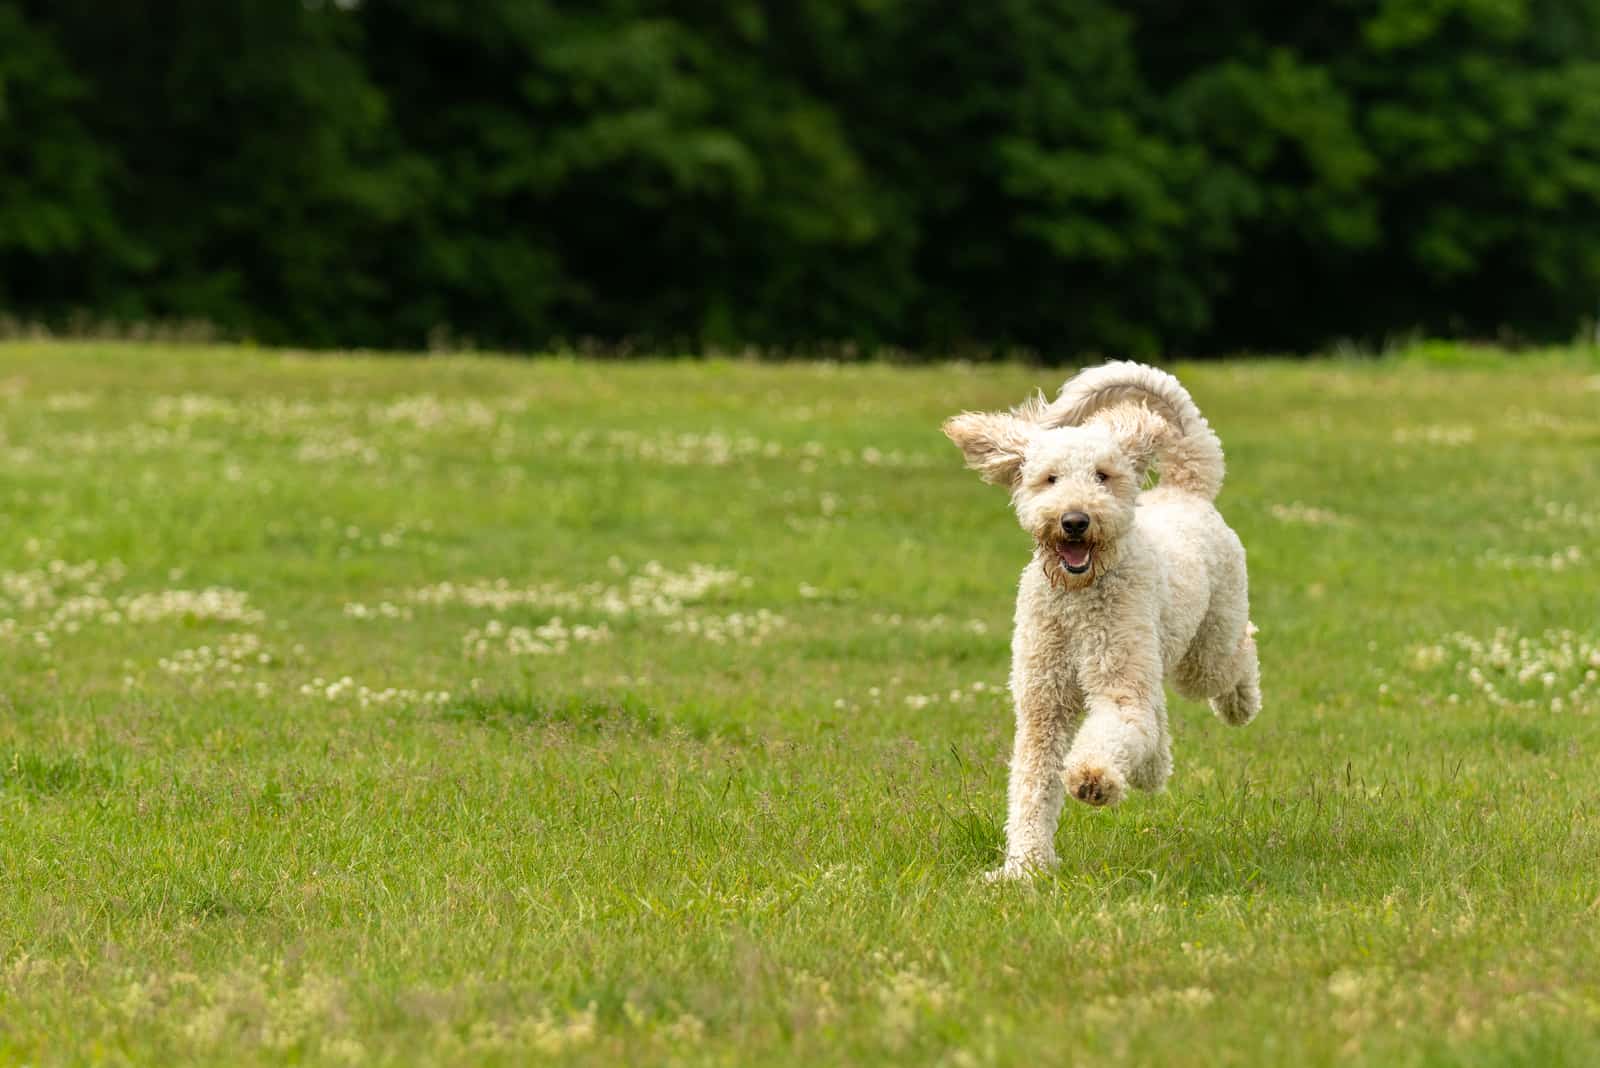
{"points": [[1075, 556]]}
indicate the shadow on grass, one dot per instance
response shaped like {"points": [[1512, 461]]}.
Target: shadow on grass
{"points": [[595, 713], [193, 896], [1323, 842], [588, 712], [44, 776], [1527, 737]]}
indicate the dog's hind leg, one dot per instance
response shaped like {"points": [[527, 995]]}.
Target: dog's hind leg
{"points": [[1220, 664], [1156, 769], [1239, 704]]}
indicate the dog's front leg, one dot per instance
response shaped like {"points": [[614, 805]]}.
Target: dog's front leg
{"points": [[1044, 725], [1123, 739]]}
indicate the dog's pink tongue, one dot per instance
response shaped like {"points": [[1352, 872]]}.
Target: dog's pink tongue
{"points": [[1075, 555]]}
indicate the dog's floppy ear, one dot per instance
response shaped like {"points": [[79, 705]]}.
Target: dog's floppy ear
{"points": [[1137, 430], [993, 443]]}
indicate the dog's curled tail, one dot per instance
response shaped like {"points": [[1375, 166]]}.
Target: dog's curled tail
{"points": [[1190, 457]]}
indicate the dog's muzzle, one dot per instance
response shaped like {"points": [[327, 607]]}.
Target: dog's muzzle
{"points": [[1076, 552]]}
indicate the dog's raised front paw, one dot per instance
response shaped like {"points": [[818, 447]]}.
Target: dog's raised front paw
{"points": [[1095, 784]]}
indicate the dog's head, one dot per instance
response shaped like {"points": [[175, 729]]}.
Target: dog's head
{"points": [[1074, 487]]}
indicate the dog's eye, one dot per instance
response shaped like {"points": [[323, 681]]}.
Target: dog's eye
{"points": [[1101, 476], [1051, 480]]}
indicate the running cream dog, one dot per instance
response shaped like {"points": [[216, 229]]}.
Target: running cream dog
{"points": [[1125, 589]]}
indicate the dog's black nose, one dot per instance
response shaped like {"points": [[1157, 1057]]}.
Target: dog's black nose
{"points": [[1076, 524]]}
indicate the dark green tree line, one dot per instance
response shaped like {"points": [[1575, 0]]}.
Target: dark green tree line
{"points": [[1070, 175]]}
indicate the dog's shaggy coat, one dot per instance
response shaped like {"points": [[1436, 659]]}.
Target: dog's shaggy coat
{"points": [[1126, 588]]}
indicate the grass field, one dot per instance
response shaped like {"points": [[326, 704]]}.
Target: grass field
{"points": [[402, 711]]}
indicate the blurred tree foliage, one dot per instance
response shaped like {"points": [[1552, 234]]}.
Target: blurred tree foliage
{"points": [[1070, 175]]}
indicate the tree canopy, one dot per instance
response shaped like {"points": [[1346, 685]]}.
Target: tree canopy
{"points": [[1067, 175]]}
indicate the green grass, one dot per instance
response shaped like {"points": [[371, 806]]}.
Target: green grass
{"points": [[744, 822]]}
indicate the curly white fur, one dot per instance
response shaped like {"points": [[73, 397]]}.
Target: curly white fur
{"points": [[1126, 588], [1193, 459]]}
